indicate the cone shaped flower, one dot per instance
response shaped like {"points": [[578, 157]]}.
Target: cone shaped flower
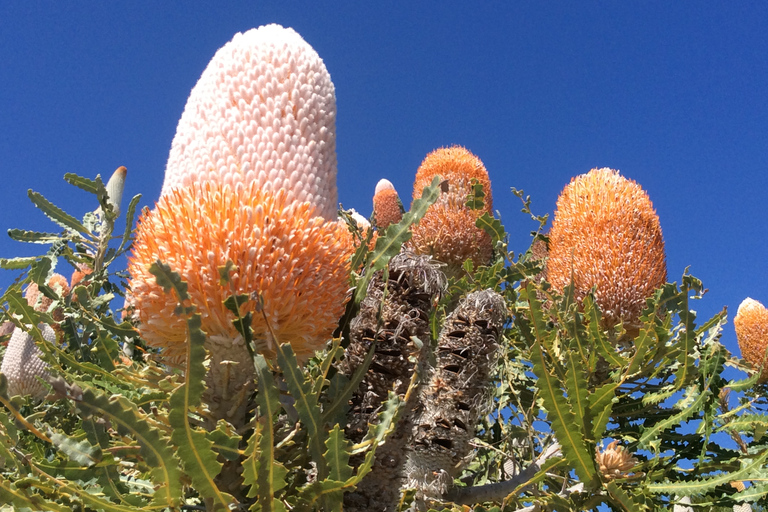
{"points": [[263, 111], [387, 207], [448, 231], [751, 324], [606, 234], [296, 261], [22, 364]]}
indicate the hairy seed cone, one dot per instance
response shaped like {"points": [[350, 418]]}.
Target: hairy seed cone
{"points": [[751, 324], [606, 234], [394, 311], [457, 393]]}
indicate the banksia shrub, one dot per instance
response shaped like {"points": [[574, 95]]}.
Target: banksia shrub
{"points": [[263, 111], [606, 234], [394, 312], [387, 207], [456, 394], [751, 324], [448, 231]]}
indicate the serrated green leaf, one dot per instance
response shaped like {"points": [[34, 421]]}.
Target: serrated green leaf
{"points": [[492, 226], [396, 235], [755, 492], [306, 404], [129, 217], [262, 470], [17, 263], [83, 183], [170, 280], [701, 486], [576, 390], [624, 500], [332, 410], [193, 447], [225, 440], [55, 213], [82, 452], [22, 498], [601, 402], [597, 336], [569, 433], [337, 455], [475, 197], [155, 450], [34, 237]]}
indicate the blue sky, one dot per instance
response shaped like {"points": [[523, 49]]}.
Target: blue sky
{"points": [[673, 94]]}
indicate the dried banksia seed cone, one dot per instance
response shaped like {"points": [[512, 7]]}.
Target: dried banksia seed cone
{"points": [[263, 112], [456, 394], [614, 461], [751, 324], [448, 231], [295, 263], [393, 313], [387, 207], [606, 234], [22, 364]]}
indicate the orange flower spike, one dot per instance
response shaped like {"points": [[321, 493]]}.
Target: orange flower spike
{"points": [[751, 324], [296, 261], [606, 233], [448, 231], [387, 207]]}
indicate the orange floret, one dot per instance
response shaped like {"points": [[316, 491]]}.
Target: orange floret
{"points": [[298, 262], [387, 208], [605, 233], [458, 166], [751, 324]]}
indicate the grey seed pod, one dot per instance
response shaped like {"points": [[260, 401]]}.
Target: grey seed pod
{"points": [[394, 313], [22, 364], [456, 394]]}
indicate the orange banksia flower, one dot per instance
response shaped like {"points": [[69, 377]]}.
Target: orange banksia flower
{"points": [[751, 324], [296, 261], [387, 207], [448, 231], [606, 234]]}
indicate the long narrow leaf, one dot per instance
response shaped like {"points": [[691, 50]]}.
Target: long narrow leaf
{"points": [[56, 214]]}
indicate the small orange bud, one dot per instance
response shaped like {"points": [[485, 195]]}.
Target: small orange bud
{"points": [[751, 324]]}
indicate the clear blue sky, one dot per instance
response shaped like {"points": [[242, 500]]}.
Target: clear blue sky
{"points": [[673, 94]]}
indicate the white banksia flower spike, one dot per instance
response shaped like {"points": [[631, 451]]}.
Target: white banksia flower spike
{"points": [[22, 364], [264, 111]]}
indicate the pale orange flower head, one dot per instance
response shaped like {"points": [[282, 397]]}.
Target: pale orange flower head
{"points": [[297, 262], [448, 230], [606, 234], [751, 324], [459, 167], [387, 207]]}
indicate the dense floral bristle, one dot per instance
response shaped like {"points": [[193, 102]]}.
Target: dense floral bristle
{"points": [[458, 166], [751, 324], [42, 303], [387, 207], [448, 230], [298, 262], [263, 111], [606, 234]]}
